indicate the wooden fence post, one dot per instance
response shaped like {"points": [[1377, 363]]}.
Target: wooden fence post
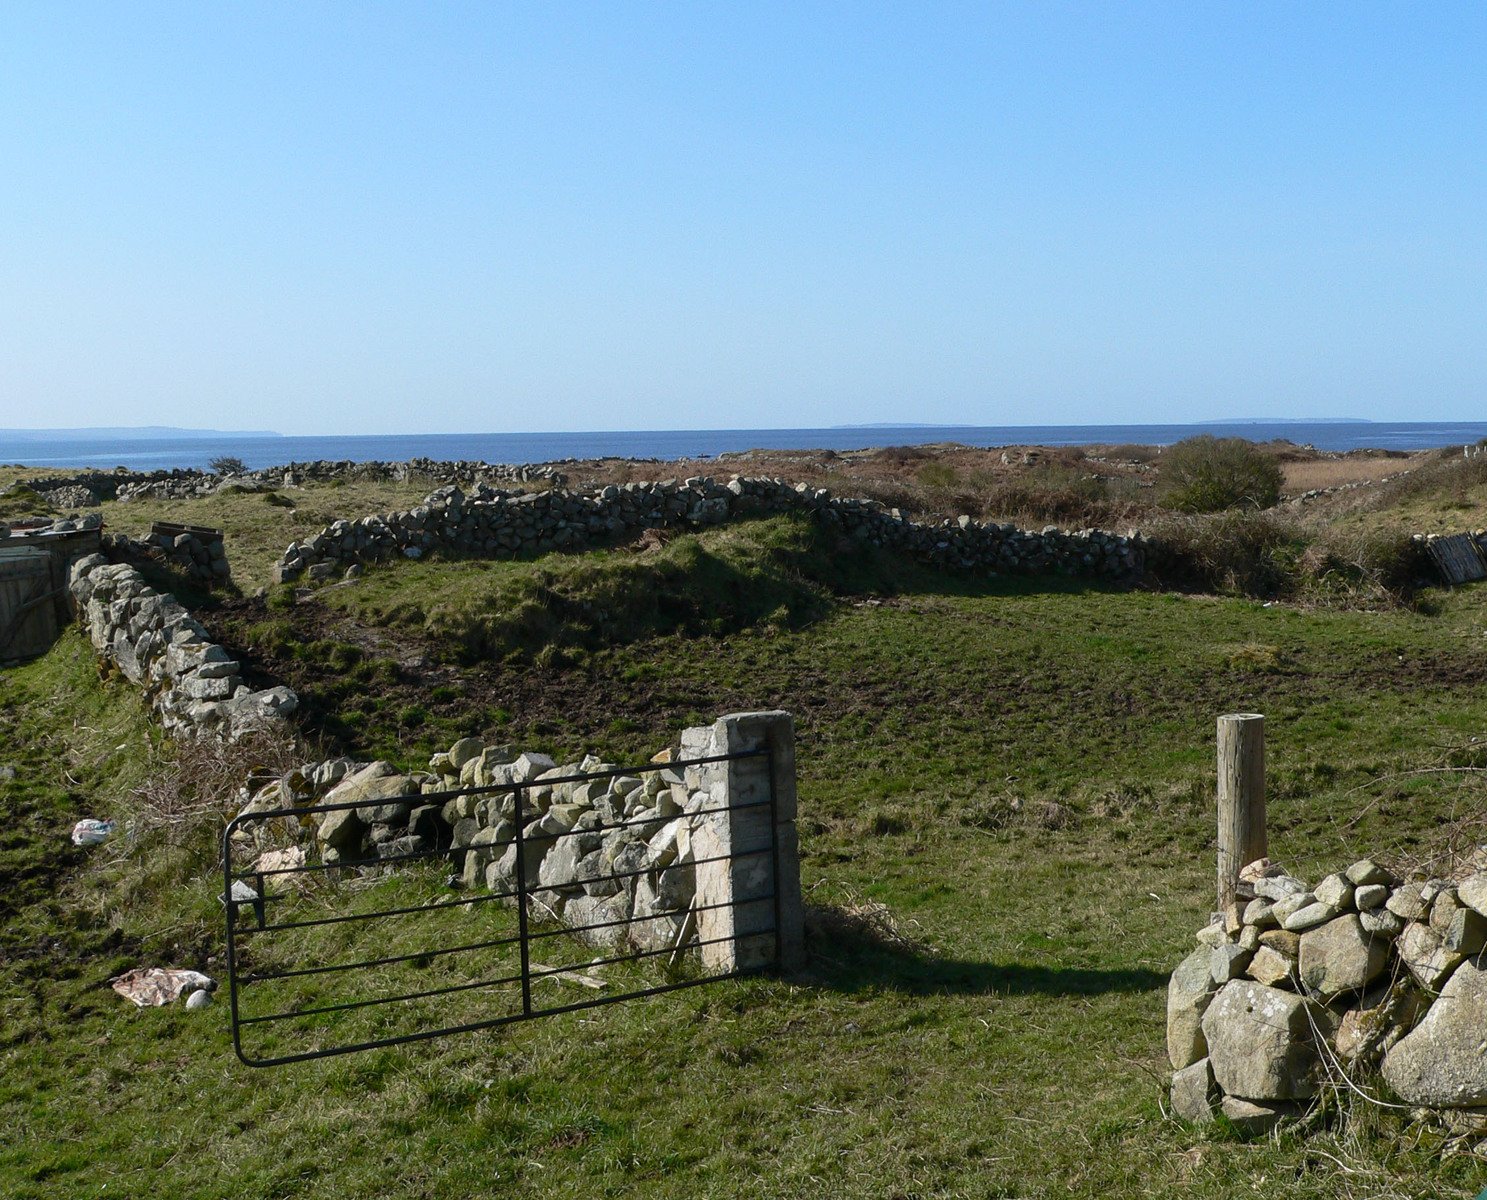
{"points": [[1241, 798]]}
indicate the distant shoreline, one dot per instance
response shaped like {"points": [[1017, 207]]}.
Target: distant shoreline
{"points": [[262, 450]]}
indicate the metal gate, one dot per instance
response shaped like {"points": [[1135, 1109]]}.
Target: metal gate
{"points": [[333, 957]]}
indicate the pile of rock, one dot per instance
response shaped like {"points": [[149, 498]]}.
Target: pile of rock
{"points": [[70, 496], [502, 525], [197, 553], [191, 682], [1303, 985], [615, 857]]}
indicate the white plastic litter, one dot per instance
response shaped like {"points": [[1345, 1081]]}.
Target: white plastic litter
{"points": [[150, 987], [90, 832]]}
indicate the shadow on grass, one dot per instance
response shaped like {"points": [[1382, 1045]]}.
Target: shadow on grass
{"points": [[858, 949]]}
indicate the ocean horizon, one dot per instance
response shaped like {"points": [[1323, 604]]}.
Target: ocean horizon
{"points": [[197, 449]]}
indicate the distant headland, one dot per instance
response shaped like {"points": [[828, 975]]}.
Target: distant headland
{"points": [[127, 433]]}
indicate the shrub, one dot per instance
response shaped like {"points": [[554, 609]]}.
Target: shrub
{"points": [[228, 464], [1254, 554], [1209, 474]]}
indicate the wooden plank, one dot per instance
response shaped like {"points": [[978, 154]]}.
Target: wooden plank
{"points": [[27, 628], [1458, 558]]}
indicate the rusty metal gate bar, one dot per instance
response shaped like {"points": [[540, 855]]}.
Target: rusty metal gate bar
{"points": [[247, 891]]}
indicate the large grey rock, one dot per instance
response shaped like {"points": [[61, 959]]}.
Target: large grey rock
{"points": [[464, 750], [1188, 993], [342, 830], [1407, 902], [376, 781], [1464, 932], [1366, 872], [1194, 1093], [1278, 887], [1309, 917], [1443, 909], [1336, 891], [1371, 895], [1270, 967], [1293, 903], [1227, 962], [1260, 1042], [1382, 922], [1443, 1062], [1341, 956], [1424, 952], [1472, 892], [1284, 941]]}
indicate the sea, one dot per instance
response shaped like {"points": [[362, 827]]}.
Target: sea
{"points": [[150, 453]]}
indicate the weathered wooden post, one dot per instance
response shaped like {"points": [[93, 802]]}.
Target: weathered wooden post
{"points": [[1241, 795]]}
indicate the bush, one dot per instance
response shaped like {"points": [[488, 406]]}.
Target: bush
{"points": [[1209, 474], [228, 464], [1254, 554]]}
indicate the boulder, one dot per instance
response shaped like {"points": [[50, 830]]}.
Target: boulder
{"points": [[1443, 1061], [464, 751], [1188, 993], [1287, 906], [1424, 952], [1366, 872], [1336, 891], [1370, 895], [1407, 902], [1472, 892], [1465, 932], [1309, 917], [1227, 962], [342, 830], [1341, 956], [1278, 887], [1260, 1043], [1270, 967], [1382, 922], [1195, 1095], [376, 782], [1284, 941], [1443, 909]]}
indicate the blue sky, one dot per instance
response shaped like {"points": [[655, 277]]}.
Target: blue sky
{"points": [[338, 218]]}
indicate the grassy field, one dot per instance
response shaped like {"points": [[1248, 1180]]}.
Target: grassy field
{"points": [[1007, 843], [1006, 815]]}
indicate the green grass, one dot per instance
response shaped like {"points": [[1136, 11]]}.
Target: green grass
{"points": [[1020, 772], [779, 573], [257, 526]]}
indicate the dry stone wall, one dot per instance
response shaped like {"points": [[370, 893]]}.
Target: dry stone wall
{"points": [[501, 524], [667, 857], [86, 488], [198, 554], [192, 683], [1362, 979]]}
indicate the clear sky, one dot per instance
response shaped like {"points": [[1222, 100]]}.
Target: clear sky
{"points": [[442, 217]]}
